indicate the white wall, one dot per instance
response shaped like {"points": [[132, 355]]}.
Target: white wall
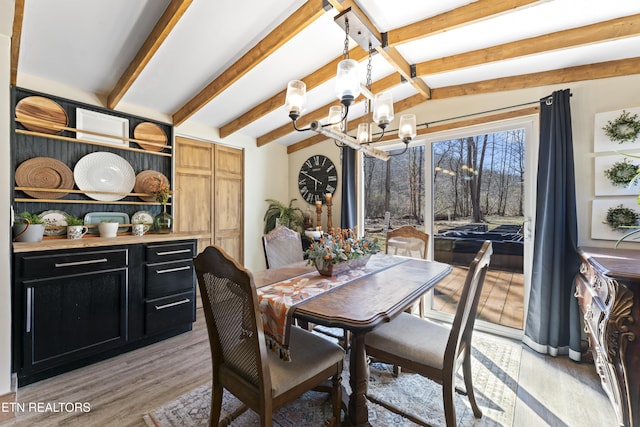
{"points": [[6, 14], [589, 98]]}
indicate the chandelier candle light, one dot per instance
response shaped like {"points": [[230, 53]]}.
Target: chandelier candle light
{"points": [[348, 88]]}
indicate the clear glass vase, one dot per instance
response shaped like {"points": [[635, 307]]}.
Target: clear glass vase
{"points": [[163, 222]]}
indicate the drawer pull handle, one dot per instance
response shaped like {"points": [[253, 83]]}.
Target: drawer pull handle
{"points": [[173, 304], [71, 264], [28, 319], [172, 270], [180, 251]]}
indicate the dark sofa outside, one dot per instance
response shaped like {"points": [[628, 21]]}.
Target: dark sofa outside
{"points": [[458, 246]]}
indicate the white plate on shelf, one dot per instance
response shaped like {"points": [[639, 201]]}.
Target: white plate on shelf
{"points": [[103, 124], [103, 171], [144, 217], [55, 222], [95, 218]]}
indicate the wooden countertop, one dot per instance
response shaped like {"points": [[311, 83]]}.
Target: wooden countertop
{"points": [[49, 244]]}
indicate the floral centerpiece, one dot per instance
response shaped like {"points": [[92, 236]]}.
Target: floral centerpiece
{"points": [[340, 247]]}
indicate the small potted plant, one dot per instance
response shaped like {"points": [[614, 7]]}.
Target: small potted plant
{"points": [[28, 228], [108, 228], [288, 216], [75, 227]]}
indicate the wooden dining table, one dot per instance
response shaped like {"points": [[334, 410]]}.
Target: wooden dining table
{"points": [[360, 305]]}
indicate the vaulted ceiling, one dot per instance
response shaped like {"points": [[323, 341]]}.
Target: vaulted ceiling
{"points": [[227, 64]]}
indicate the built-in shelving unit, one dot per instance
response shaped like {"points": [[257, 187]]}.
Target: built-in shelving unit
{"points": [[63, 144]]}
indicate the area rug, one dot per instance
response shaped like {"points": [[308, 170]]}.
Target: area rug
{"points": [[495, 367]]}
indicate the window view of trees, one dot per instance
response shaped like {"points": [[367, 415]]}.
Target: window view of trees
{"points": [[476, 179]]}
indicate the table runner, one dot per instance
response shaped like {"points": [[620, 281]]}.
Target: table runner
{"points": [[277, 300]]}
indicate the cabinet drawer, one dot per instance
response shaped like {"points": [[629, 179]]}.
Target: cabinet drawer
{"points": [[166, 313], [47, 265], [596, 282], [170, 251], [168, 278], [592, 308]]}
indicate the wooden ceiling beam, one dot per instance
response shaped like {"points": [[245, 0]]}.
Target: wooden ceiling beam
{"points": [[315, 79], [464, 15], [467, 14], [393, 57], [160, 32], [322, 112], [610, 30], [622, 67], [601, 70], [16, 35], [294, 24]]}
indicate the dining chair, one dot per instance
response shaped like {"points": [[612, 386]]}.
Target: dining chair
{"points": [[434, 350], [241, 362], [282, 246], [409, 241]]}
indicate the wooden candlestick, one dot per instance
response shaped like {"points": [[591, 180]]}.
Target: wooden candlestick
{"points": [[329, 203], [319, 214]]}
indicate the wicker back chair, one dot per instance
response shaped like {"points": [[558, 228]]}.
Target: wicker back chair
{"points": [[409, 241], [434, 350], [241, 362], [282, 246]]}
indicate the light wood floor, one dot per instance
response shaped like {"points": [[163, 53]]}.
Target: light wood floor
{"points": [[551, 391], [501, 300]]}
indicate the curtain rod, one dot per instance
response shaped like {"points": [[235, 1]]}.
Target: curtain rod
{"points": [[547, 99], [477, 114]]}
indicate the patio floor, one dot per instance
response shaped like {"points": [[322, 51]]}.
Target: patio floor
{"points": [[501, 301]]}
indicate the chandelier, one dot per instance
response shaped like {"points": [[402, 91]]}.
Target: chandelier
{"points": [[348, 88]]}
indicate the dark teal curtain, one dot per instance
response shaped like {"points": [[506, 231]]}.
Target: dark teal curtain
{"points": [[553, 321], [348, 215]]}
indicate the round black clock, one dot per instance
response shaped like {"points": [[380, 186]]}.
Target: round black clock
{"points": [[318, 176]]}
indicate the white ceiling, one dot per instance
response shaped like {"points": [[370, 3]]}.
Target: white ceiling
{"points": [[89, 44]]}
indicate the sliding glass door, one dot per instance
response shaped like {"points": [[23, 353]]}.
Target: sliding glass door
{"points": [[463, 187]]}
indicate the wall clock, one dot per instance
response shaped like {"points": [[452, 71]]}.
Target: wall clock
{"points": [[318, 176]]}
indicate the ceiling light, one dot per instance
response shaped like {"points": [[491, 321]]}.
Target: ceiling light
{"points": [[348, 88]]}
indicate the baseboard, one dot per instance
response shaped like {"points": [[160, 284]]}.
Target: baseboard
{"points": [[7, 406]]}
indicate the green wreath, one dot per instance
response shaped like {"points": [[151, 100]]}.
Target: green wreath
{"points": [[623, 129], [622, 173], [619, 216]]}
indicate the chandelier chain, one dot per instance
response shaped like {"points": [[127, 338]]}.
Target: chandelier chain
{"points": [[345, 52], [367, 104]]}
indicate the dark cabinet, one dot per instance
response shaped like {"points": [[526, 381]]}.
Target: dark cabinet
{"points": [[169, 285], [76, 306], [608, 292]]}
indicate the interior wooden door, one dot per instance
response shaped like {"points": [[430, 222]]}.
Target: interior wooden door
{"points": [[209, 182], [229, 201], [194, 179]]}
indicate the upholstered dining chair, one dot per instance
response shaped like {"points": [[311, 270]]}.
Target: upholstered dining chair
{"points": [[434, 350], [409, 241], [242, 364], [282, 246]]}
